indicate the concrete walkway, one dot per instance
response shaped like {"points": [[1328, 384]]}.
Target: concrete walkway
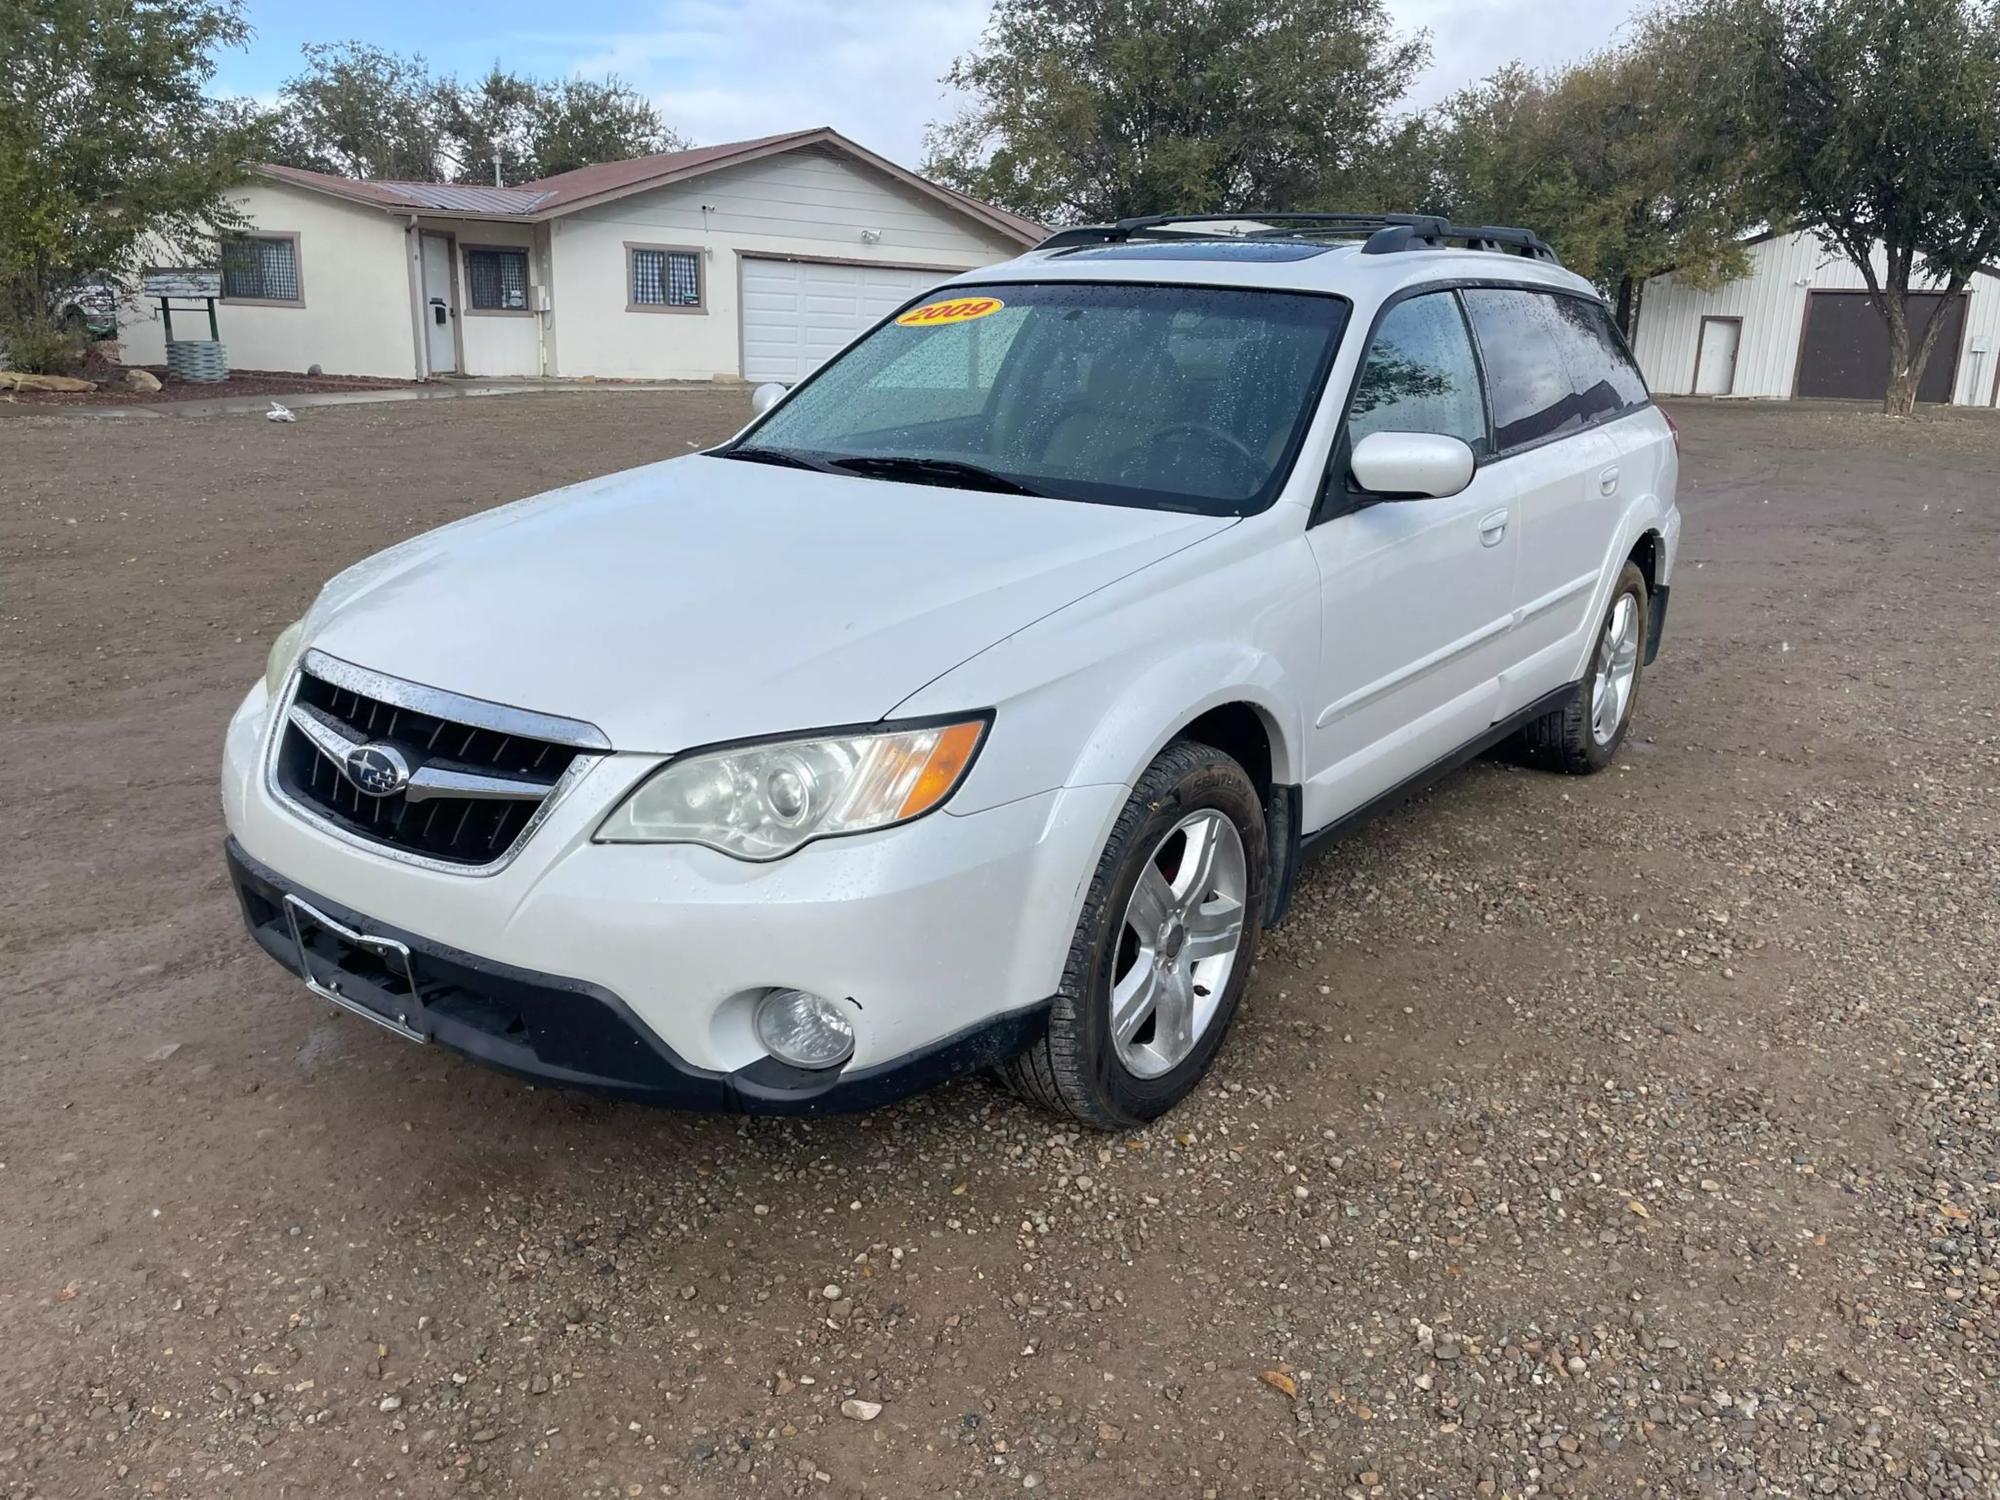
{"points": [[442, 390]]}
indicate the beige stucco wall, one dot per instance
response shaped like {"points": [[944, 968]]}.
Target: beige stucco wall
{"points": [[352, 276], [800, 203]]}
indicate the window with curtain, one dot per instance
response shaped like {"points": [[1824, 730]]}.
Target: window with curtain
{"points": [[666, 278], [497, 279], [260, 268]]}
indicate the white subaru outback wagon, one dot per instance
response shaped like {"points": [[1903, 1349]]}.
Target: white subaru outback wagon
{"points": [[974, 706]]}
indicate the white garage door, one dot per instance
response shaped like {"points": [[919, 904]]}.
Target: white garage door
{"points": [[797, 314]]}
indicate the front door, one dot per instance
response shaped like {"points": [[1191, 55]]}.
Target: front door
{"points": [[440, 307], [1417, 594]]}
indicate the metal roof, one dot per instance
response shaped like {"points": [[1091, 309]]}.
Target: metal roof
{"points": [[554, 196]]}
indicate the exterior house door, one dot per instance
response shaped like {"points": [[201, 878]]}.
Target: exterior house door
{"points": [[440, 307], [1715, 356]]}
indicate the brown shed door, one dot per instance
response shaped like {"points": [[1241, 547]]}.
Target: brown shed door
{"points": [[1845, 348]]}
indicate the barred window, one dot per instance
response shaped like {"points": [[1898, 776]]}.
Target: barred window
{"points": [[261, 268], [666, 278], [499, 279]]}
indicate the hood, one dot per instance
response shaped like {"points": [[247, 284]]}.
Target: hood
{"points": [[705, 599]]}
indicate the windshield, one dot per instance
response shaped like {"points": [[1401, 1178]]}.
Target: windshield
{"points": [[1172, 397]]}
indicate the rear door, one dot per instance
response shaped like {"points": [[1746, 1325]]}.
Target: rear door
{"points": [[1549, 410], [1416, 594]]}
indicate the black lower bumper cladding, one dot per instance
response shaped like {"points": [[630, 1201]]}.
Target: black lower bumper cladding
{"points": [[576, 1034]]}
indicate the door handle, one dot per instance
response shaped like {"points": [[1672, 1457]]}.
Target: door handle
{"points": [[1607, 482], [1492, 527]]}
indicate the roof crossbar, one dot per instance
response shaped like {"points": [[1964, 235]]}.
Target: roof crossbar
{"points": [[1386, 233]]}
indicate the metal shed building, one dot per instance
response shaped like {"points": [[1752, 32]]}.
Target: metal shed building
{"points": [[1800, 325]]}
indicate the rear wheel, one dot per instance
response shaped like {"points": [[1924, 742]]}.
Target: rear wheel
{"points": [[1163, 949], [1584, 734]]}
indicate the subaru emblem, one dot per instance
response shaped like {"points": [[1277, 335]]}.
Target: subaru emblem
{"points": [[377, 769]]}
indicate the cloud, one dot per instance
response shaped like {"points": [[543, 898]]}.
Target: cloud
{"points": [[723, 70], [1472, 38]]}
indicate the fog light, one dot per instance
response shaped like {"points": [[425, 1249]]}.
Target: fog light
{"points": [[804, 1030]]}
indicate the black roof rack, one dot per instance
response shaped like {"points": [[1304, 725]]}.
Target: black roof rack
{"points": [[1387, 233]]}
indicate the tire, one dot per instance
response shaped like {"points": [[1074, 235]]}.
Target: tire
{"points": [[1570, 739], [1079, 1068]]}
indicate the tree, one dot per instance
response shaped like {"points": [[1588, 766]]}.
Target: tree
{"points": [[1624, 160], [110, 150], [576, 122], [359, 111], [1881, 125], [487, 125], [1098, 109]]}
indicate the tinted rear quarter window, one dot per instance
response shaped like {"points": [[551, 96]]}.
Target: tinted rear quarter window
{"points": [[1600, 368], [1522, 337]]}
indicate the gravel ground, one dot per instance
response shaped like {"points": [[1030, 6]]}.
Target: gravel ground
{"points": [[1629, 1136]]}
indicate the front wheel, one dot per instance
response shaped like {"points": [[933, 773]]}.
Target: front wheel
{"points": [[1162, 952], [1583, 735]]}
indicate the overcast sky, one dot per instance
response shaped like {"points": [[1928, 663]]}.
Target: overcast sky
{"points": [[725, 69]]}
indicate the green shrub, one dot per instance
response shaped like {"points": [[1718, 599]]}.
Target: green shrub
{"points": [[41, 347]]}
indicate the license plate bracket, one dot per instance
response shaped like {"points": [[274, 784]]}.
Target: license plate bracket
{"points": [[358, 971]]}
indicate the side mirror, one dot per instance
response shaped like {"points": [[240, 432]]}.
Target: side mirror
{"points": [[1407, 465], [765, 397]]}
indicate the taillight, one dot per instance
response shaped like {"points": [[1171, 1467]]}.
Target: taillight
{"points": [[1673, 427]]}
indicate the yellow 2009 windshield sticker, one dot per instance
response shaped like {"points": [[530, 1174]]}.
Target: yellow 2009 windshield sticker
{"points": [[956, 310]]}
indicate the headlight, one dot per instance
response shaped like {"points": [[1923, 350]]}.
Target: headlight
{"points": [[763, 801], [284, 651]]}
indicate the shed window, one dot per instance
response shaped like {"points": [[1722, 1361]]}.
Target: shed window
{"points": [[666, 278], [260, 268], [498, 279]]}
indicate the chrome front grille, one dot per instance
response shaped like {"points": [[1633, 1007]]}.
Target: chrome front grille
{"points": [[418, 773]]}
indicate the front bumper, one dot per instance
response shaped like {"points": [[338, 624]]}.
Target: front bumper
{"points": [[638, 967], [580, 1035]]}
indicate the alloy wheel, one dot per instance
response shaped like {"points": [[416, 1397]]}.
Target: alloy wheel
{"points": [[1616, 671], [1178, 944]]}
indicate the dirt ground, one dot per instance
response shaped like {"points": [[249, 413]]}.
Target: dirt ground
{"points": [[1629, 1136]]}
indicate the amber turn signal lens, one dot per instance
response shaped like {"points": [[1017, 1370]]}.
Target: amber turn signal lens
{"points": [[948, 759]]}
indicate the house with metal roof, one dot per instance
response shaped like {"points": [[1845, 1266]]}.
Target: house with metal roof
{"points": [[754, 260]]}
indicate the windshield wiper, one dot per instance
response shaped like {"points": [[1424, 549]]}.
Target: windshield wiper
{"points": [[933, 471], [787, 458]]}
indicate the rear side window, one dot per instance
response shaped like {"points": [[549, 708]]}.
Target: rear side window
{"points": [[1600, 366], [1523, 336], [1420, 375]]}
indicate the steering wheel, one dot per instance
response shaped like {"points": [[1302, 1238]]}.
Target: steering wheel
{"points": [[1251, 460]]}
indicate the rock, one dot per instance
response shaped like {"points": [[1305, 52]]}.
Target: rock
{"points": [[860, 1411], [136, 379], [15, 380], [830, 1292], [390, 1403], [162, 1052]]}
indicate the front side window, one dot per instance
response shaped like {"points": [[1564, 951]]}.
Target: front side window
{"points": [[1521, 335], [1183, 398], [1420, 375], [261, 268], [663, 278], [497, 279]]}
